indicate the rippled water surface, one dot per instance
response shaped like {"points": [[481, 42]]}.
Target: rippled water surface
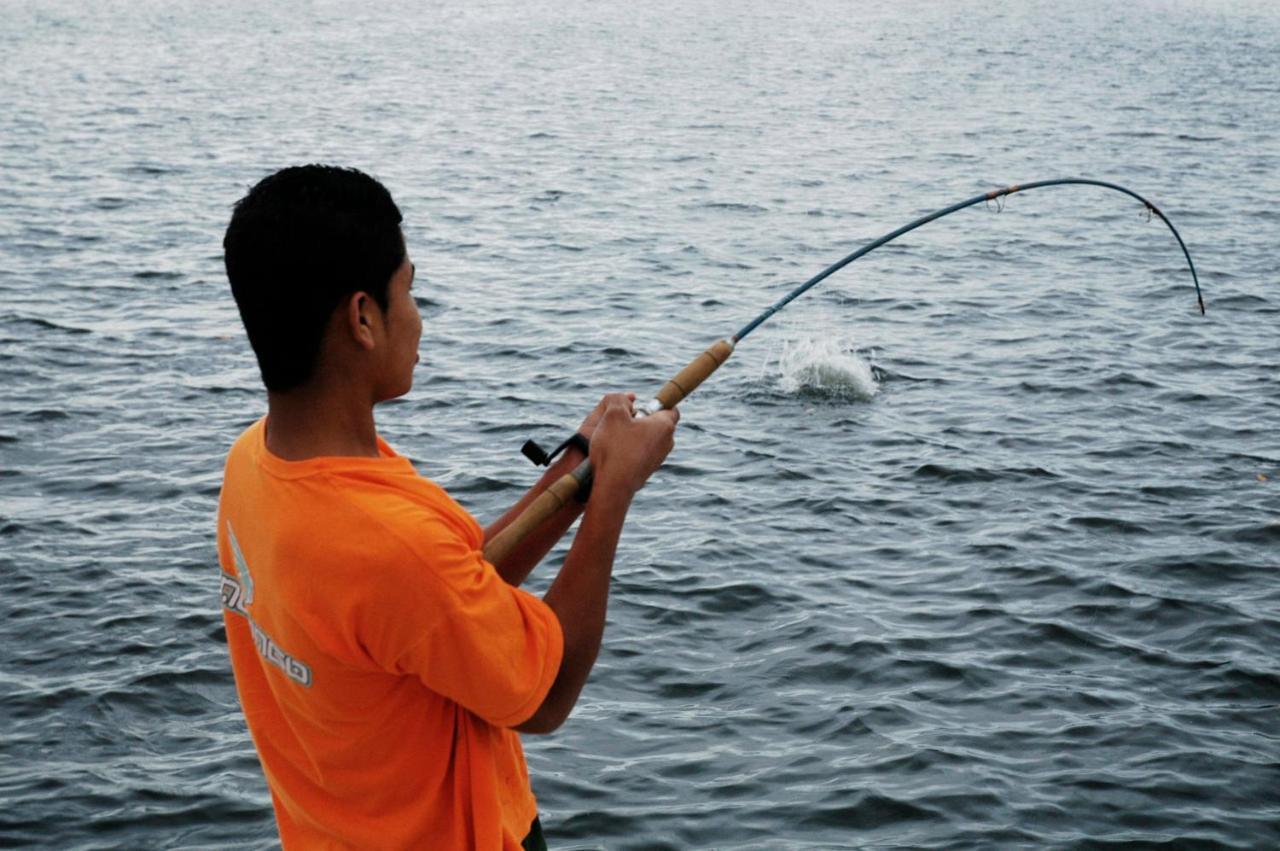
{"points": [[1018, 590]]}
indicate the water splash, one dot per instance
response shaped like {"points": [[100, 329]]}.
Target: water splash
{"points": [[822, 367]]}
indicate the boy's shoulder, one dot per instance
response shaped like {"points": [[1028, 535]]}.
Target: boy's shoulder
{"points": [[374, 498]]}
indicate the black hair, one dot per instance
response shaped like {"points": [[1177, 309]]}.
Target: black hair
{"points": [[300, 241]]}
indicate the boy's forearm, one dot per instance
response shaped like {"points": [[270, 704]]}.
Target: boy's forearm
{"points": [[579, 596], [521, 563]]}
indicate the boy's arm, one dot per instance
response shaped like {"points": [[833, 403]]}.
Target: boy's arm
{"points": [[624, 453], [521, 563]]}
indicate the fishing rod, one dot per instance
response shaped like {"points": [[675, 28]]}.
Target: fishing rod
{"points": [[550, 501]]}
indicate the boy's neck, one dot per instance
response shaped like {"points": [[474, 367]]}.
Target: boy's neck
{"points": [[317, 422]]}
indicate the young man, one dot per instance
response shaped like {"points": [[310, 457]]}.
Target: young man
{"points": [[384, 667]]}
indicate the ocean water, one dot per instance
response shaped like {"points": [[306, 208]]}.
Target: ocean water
{"points": [[974, 546]]}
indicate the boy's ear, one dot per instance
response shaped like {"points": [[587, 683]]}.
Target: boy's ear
{"points": [[361, 315]]}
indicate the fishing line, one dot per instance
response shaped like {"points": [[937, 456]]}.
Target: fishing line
{"points": [[687, 380]]}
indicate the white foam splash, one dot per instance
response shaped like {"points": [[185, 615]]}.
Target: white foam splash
{"points": [[822, 367]]}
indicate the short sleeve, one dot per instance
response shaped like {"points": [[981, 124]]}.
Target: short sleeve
{"points": [[444, 615]]}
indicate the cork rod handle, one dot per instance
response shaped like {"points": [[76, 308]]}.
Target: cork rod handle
{"points": [[688, 379], [546, 506]]}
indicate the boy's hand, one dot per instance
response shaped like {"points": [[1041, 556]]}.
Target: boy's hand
{"points": [[626, 451], [588, 426]]}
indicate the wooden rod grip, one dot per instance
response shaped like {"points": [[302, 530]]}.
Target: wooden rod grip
{"points": [[548, 503], [688, 379]]}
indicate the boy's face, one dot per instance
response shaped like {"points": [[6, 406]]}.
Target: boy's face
{"points": [[403, 329]]}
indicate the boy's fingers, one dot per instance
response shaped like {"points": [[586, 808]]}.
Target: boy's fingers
{"points": [[618, 405]]}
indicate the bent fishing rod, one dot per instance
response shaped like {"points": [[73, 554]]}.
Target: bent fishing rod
{"points": [[550, 501]]}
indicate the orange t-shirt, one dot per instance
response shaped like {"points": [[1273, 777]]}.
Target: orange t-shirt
{"points": [[380, 660]]}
